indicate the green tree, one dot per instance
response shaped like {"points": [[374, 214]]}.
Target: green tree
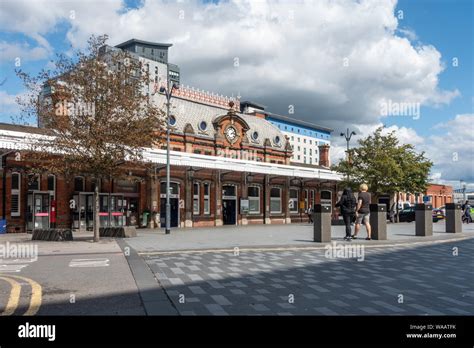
{"points": [[385, 165], [96, 112]]}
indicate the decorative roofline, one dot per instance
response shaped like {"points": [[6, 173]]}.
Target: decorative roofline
{"points": [[205, 97]]}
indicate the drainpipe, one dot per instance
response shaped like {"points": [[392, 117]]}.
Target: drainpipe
{"points": [[3, 165], [4, 192]]}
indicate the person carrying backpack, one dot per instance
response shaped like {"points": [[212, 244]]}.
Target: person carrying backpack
{"points": [[347, 205]]}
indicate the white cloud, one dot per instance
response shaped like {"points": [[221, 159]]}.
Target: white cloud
{"points": [[404, 135], [452, 152], [8, 105], [10, 51], [290, 53], [6, 100], [409, 33], [334, 61]]}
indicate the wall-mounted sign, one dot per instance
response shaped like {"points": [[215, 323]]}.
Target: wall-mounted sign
{"points": [[163, 195]]}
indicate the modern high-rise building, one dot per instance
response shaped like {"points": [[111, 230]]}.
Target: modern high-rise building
{"points": [[307, 139], [155, 56]]}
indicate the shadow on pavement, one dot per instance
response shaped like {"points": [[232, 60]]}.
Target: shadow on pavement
{"points": [[430, 278]]}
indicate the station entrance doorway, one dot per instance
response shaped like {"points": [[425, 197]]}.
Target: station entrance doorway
{"points": [[174, 204], [229, 205], [38, 210]]}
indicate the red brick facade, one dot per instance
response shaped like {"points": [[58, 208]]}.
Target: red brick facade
{"points": [[272, 191], [439, 195], [149, 197]]}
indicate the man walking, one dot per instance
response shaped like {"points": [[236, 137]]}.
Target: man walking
{"points": [[363, 211]]}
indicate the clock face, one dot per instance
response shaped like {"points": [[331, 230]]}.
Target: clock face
{"points": [[231, 133]]}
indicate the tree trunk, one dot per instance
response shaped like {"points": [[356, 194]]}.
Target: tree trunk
{"points": [[96, 213], [398, 199]]}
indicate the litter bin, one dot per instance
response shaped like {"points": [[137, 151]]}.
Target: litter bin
{"points": [[145, 219], [3, 226]]}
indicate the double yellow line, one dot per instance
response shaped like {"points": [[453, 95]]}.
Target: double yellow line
{"points": [[14, 298]]}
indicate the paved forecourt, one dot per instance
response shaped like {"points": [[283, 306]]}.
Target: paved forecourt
{"points": [[300, 235], [432, 279], [279, 270]]}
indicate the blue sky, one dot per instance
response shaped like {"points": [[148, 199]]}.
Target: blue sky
{"points": [[447, 25], [286, 62]]}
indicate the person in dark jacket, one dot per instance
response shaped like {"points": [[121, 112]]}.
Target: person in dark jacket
{"points": [[466, 209], [347, 205]]}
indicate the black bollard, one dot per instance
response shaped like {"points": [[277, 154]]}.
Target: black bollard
{"points": [[424, 219], [322, 223], [453, 218], [378, 221]]}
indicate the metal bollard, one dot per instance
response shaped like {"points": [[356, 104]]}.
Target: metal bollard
{"points": [[378, 221], [322, 223], [453, 218], [424, 219]]}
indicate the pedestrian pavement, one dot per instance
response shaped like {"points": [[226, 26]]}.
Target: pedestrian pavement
{"points": [[248, 270], [431, 279], [77, 277], [297, 235]]}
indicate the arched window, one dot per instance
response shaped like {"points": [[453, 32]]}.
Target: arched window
{"points": [[196, 198], [254, 199], [52, 185], [206, 191], [275, 200], [293, 200], [325, 194], [79, 184]]}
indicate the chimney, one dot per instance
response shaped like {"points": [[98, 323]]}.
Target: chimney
{"points": [[324, 155]]}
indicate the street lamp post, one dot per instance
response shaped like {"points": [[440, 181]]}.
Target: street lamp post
{"points": [[348, 135], [463, 187], [168, 93]]}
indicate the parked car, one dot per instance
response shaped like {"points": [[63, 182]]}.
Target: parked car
{"points": [[408, 215], [439, 213]]}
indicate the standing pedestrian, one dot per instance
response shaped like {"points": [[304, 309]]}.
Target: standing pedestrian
{"points": [[363, 211], [310, 215], [347, 205], [466, 216]]}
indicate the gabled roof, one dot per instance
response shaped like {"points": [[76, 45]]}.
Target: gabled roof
{"points": [[193, 113]]}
